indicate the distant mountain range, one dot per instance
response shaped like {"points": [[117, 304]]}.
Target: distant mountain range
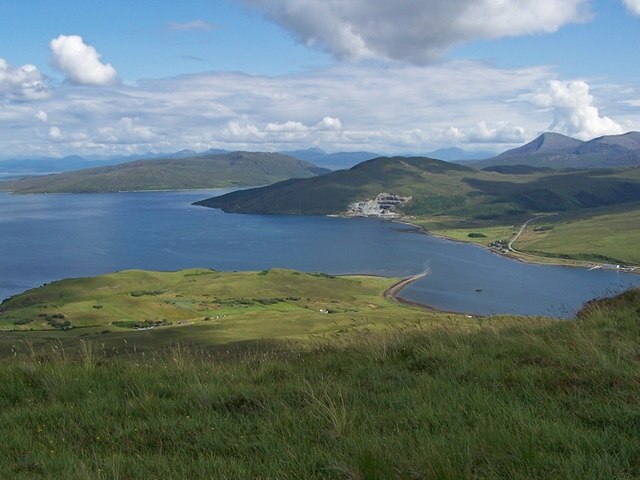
{"points": [[235, 169], [333, 161], [342, 160], [317, 156], [456, 154], [551, 150], [559, 151], [43, 165]]}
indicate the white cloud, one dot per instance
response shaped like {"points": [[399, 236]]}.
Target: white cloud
{"points": [[417, 31], [55, 133], [633, 6], [80, 62], [287, 127], [329, 123], [574, 112], [42, 116], [202, 25], [21, 83], [125, 131], [483, 132]]}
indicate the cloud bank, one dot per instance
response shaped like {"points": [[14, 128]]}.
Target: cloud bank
{"points": [[417, 31], [80, 62]]}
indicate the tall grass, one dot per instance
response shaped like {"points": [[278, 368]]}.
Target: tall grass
{"points": [[535, 400]]}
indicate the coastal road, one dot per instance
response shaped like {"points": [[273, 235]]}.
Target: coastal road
{"points": [[522, 229]]}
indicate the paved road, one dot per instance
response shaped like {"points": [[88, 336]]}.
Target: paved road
{"points": [[522, 228]]}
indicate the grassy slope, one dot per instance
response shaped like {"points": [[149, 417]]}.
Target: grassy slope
{"points": [[610, 237], [200, 305], [530, 399], [225, 170]]}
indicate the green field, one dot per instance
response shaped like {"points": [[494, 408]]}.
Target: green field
{"points": [[202, 306], [609, 237], [493, 398]]}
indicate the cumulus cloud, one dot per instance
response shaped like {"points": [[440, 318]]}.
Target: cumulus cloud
{"points": [[574, 112], [633, 6], [201, 25], [289, 127], [417, 31], [80, 62], [329, 123], [483, 132], [55, 133], [42, 116], [125, 131], [21, 83]]}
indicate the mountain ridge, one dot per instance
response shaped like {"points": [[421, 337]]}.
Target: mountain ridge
{"points": [[560, 151]]}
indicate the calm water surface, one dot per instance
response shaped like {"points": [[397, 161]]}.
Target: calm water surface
{"points": [[50, 237]]}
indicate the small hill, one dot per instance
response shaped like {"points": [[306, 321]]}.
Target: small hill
{"points": [[559, 151], [234, 169], [438, 188]]}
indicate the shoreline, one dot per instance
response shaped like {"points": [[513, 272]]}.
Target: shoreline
{"points": [[518, 255], [393, 292]]}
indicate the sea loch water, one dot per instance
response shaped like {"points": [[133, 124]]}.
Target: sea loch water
{"points": [[50, 237]]}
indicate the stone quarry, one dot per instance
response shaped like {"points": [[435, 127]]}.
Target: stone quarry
{"points": [[383, 205]]}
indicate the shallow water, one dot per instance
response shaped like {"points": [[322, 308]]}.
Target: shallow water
{"points": [[50, 237]]}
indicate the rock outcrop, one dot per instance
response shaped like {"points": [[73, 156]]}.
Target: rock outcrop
{"points": [[383, 205]]}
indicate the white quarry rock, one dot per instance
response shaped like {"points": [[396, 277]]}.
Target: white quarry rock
{"points": [[384, 205]]}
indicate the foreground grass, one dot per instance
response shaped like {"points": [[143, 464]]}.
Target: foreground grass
{"points": [[507, 399]]}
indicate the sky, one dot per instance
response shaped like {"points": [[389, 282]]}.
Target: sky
{"points": [[107, 78]]}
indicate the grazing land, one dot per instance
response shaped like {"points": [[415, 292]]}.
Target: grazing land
{"points": [[442, 398], [201, 306], [236, 169], [606, 237]]}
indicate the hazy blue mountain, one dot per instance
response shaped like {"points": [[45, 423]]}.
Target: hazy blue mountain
{"points": [[44, 165], [333, 161], [457, 154]]}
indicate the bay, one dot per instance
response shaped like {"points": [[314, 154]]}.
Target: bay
{"points": [[49, 237]]}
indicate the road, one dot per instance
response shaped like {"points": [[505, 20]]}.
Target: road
{"points": [[522, 229]]}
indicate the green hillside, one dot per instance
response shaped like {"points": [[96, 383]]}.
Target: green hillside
{"points": [[604, 235], [429, 395], [237, 169], [439, 188]]}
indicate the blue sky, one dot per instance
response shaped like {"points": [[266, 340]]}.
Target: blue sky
{"points": [[116, 77]]}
